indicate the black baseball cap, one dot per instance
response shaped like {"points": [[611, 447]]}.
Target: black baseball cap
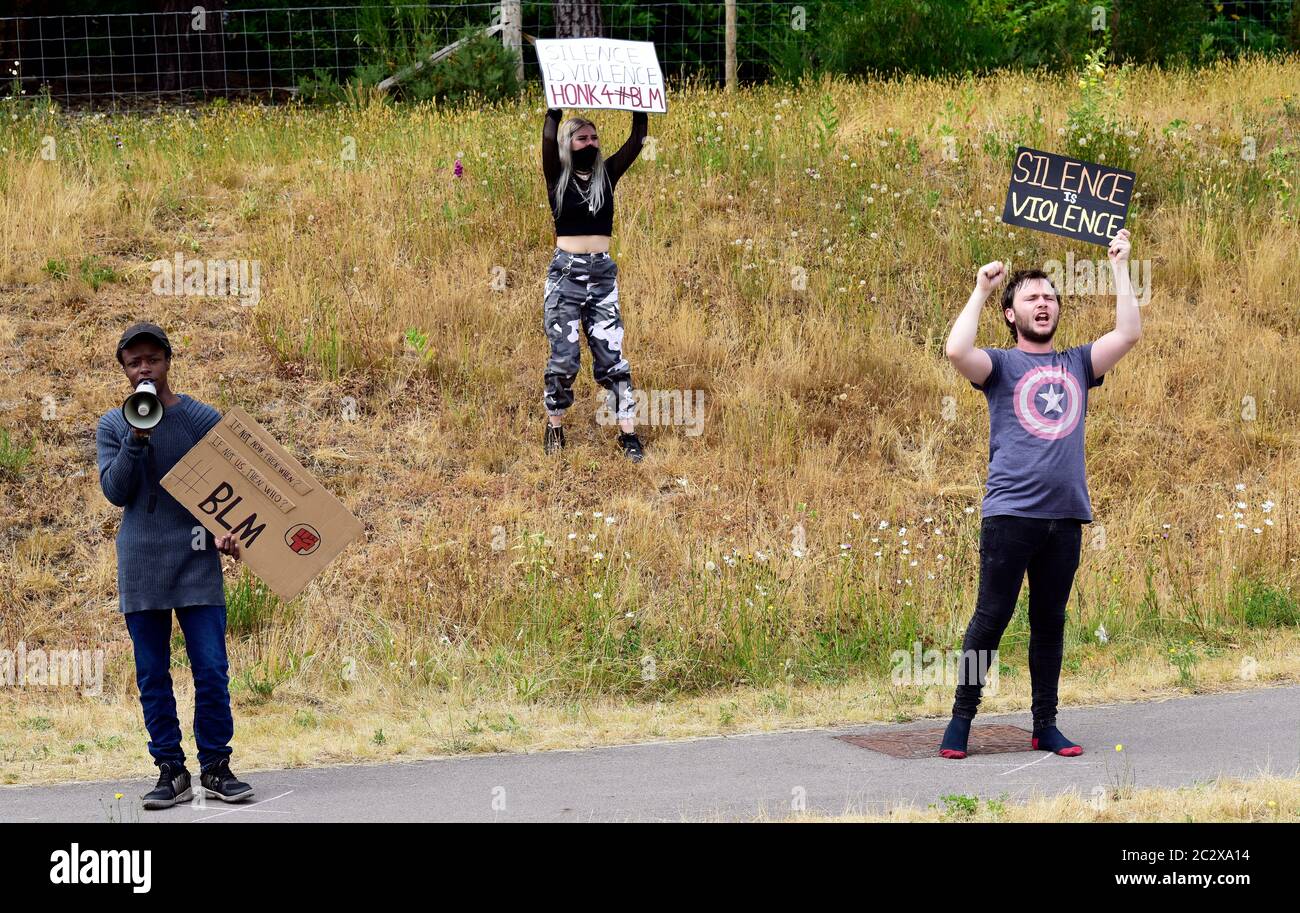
{"points": [[143, 331]]}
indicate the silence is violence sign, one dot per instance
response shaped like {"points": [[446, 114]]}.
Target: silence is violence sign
{"points": [[1067, 196], [601, 73]]}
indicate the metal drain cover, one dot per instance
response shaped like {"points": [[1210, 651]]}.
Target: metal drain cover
{"points": [[924, 743]]}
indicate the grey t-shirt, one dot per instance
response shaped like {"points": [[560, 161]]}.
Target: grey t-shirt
{"points": [[1037, 403]]}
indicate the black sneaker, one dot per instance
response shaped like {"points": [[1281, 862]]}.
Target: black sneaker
{"points": [[173, 786], [554, 439], [631, 445], [219, 783]]}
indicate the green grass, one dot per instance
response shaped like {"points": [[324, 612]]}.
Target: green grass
{"points": [[250, 606], [14, 456], [1260, 604], [825, 401]]}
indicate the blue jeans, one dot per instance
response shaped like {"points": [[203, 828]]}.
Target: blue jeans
{"points": [[204, 627], [1010, 547]]}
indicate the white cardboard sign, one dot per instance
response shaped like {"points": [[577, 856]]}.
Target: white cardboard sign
{"points": [[602, 73]]}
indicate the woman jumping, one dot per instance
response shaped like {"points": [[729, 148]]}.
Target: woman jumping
{"points": [[582, 282]]}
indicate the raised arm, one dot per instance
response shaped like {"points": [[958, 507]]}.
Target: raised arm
{"points": [[972, 363], [622, 160], [120, 462], [550, 148], [1109, 349]]}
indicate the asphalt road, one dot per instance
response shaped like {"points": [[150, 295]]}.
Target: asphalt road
{"points": [[774, 775]]}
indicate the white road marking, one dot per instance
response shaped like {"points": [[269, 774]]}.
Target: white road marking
{"points": [[243, 808], [1023, 766]]}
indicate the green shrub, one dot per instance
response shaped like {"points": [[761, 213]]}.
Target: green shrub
{"points": [[1262, 605], [250, 606], [96, 273], [13, 456], [1227, 37], [482, 69], [320, 88], [1056, 34], [1095, 132], [924, 37], [1158, 31]]}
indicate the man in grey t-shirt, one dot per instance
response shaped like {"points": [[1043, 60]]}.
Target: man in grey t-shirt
{"points": [[1036, 500]]}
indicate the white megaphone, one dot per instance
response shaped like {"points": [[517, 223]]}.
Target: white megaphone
{"points": [[143, 409]]}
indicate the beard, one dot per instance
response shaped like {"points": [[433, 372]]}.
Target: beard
{"points": [[1030, 331]]}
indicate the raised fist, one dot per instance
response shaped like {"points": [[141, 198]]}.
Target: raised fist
{"points": [[990, 276], [1119, 247]]}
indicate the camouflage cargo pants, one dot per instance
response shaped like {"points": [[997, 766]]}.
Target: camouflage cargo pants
{"points": [[582, 291]]}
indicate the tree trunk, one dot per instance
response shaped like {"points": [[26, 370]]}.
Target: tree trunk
{"points": [[578, 19], [189, 59]]}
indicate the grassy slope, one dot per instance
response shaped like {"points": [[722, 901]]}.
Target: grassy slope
{"points": [[478, 615]]}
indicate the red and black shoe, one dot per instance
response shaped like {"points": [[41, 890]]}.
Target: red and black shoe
{"points": [[1049, 738], [955, 738]]}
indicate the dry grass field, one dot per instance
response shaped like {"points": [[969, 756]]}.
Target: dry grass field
{"points": [[795, 255]]}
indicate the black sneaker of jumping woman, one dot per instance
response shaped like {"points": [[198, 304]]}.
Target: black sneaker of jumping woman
{"points": [[582, 281]]}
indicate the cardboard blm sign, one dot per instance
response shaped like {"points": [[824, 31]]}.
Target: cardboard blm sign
{"points": [[237, 480]]}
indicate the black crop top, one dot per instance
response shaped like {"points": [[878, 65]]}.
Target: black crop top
{"points": [[575, 218]]}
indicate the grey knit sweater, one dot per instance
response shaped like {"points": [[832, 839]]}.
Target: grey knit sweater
{"points": [[165, 558]]}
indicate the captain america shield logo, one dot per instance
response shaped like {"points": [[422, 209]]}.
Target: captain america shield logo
{"points": [[1048, 402]]}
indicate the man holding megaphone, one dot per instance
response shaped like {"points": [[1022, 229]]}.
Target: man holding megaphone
{"points": [[167, 562]]}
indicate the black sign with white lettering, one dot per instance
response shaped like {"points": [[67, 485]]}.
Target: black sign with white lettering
{"points": [[1067, 196]]}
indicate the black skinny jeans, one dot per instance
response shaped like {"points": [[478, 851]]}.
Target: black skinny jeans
{"points": [[1009, 547]]}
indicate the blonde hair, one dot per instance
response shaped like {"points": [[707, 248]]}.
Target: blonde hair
{"points": [[564, 140]]}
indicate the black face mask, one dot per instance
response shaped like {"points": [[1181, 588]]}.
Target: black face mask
{"points": [[584, 158]]}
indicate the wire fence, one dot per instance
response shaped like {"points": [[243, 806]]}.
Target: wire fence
{"points": [[141, 59], [169, 57]]}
